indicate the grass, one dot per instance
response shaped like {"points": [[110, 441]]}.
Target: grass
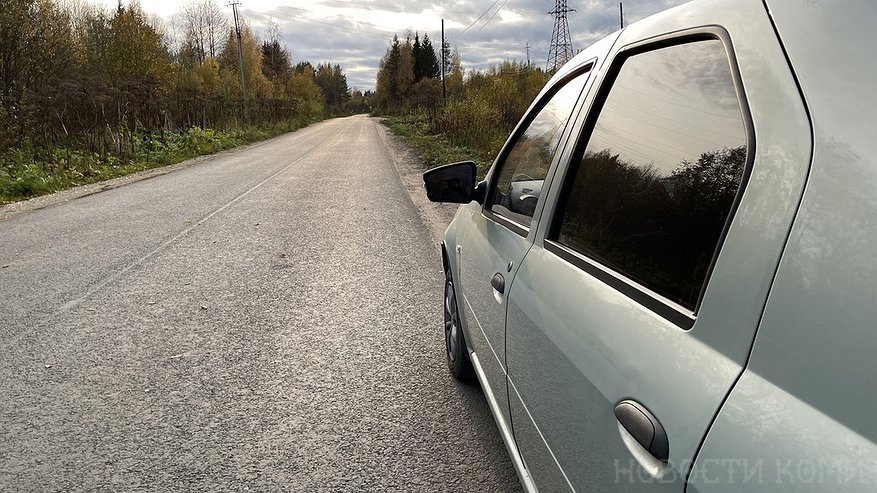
{"points": [[27, 172], [434, 148]]}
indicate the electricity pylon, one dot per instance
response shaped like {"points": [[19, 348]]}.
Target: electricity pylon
{"points": [[561, 42]]}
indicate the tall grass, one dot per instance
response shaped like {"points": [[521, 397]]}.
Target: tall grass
{"points": [[28, 171]]}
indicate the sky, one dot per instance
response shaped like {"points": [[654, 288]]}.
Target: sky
{"points": [[356, 33]]}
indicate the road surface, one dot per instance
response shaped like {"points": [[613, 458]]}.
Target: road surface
{"points": [[268, 319]]}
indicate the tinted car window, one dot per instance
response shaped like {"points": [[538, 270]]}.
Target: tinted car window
{"points": [[523, 172], [654, 187]]}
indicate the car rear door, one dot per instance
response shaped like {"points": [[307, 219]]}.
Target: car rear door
{"points": [[634, 312], [801, 418]]}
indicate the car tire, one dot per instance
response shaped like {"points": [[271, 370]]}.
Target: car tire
{"points": [[455, 343]]}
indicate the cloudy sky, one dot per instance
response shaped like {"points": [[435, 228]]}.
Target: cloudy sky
{"points": [[356, 33]]}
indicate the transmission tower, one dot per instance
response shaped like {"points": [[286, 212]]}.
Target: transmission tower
{"points": [[561, 42]]}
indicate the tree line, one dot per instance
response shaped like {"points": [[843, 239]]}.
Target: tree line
{"points": [[475, 109], [76, 78]]}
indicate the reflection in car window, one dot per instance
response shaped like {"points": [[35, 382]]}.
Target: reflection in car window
{"points": [[657, 181], [524, 170]]}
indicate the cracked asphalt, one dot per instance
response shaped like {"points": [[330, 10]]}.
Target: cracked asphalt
{"points": [[268, 319]]}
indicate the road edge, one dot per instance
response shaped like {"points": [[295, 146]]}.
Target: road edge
{"points": [[410, 168], [8, 211]]}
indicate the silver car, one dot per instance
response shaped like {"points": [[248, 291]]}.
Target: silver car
{"points": [[666, 281]]}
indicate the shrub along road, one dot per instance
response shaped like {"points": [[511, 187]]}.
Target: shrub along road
{"points": [[268, 319]]}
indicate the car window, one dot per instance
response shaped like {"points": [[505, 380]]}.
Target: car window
{"points": [[522, 173], [653, 189]]}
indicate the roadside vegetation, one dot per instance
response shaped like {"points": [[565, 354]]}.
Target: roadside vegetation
{"points": [[88, 94], [471, 121]]}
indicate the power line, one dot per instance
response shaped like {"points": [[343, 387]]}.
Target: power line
{"points": [[479, 18], [488, 20]]}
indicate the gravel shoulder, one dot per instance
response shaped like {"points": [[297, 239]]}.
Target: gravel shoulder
{"points": [[410, 167]]}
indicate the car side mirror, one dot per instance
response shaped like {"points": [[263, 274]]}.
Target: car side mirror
{"points": [[454, 183]]}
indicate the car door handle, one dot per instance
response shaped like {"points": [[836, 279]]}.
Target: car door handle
{"points": [[644, 428], [498, 283]]}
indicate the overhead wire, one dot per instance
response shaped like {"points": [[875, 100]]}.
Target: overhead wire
{"points": [[488, 20], [479, 18]]}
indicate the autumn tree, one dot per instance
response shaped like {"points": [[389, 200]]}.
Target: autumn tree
{"points": [[229, 64], [36, 45], [395, 74], [454, 75], [405, 71], [107, 83]]}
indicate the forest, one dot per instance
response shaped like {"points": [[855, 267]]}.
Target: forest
{"points": [[88, 94]]}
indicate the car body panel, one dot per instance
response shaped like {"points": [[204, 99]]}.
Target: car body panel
{"points": [[802, 415], [770, 387], [482, 247], [487, 249], [576, 346]]}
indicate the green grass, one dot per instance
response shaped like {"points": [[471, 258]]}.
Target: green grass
{"points": [[29, 172], [434, 148]]}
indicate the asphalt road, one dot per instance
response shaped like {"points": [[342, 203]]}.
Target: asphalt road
{"points": [[268, 319]]}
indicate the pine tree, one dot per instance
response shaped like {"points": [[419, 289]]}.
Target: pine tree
{"points": [[276, 63], [431, 67], [417, 51]]}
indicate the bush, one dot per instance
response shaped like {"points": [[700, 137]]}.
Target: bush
{"points": [[473, 124]]}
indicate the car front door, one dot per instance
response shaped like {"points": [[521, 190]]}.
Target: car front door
{"points": [[499, 234], [634, 312]]}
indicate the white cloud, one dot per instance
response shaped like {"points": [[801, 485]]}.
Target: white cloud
{"points": [[356, 33]]}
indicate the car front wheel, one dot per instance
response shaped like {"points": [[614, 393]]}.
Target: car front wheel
{"points": [[455, 344]]}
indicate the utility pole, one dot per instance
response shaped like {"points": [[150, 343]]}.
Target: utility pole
{"points": [[444, 87], [237, 29], [528, 55], [621, 13]]}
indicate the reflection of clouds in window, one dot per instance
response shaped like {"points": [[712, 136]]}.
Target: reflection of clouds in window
{"points": [[671, 105], [661, 171], [554, 115], [521, 174]]}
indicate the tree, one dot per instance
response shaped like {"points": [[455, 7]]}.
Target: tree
{"points": [[203, 25], [229, 64], [426, 65], [302, 88], [126, 47], [333, 83], [405, 70], [454, 76], [276, 61], [446, 56], [36, 45], [386, 85]]}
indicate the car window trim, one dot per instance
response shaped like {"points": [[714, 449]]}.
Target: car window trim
{"points": [[516, 227], [666, 308], [663, 306], [508, 222]]}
